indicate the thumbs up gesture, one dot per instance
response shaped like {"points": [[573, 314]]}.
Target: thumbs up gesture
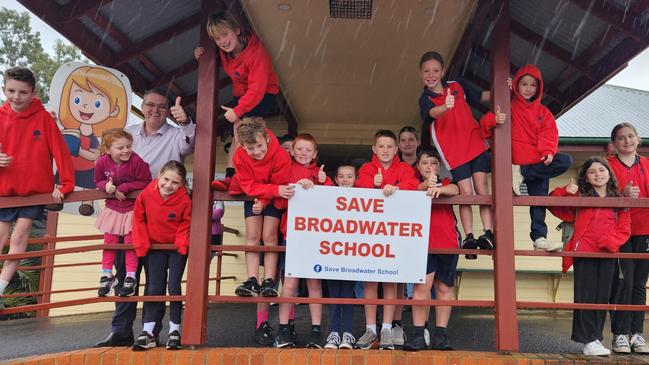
{"points": [[432, 180], [631, 190], [322, 176], [178, 113], [110, 187], [5, 160], [500, 117], [378, 179], [230, 115], [257, 207], [450, 99], [572, 188]]}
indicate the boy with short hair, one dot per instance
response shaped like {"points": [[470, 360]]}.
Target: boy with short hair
{"points": [[29, 139], [386, 171]]}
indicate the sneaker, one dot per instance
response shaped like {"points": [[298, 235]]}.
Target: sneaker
{"points": [[542, 244], [268, 288], [386, 340], [333, 341], [415, 343], [596, 348], [173, 341], [348, 341], [621, 344], [291, 324], [144, 342], [517, 179], [440, 342], [638, 344], [367, 341], [128, 289], [249, 288], [427, 337], [283, 339], [470, 243], [106, 284], [486, 241], [264, 335], [86, 209], [315, 339], [398, 336]]}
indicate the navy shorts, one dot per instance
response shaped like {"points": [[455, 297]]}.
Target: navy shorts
{"points": [[444, 267], [481, 163], [266, 107], [269, 211], [11, 214]]}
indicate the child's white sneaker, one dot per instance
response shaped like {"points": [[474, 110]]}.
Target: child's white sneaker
{"points": [[621, 344], [638, 344], [542, 244], [596, 348], [517, 179]]}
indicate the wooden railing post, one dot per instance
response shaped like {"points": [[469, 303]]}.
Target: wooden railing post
{"points": [[45, 279]]}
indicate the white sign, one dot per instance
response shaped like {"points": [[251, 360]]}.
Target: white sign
{"points": [[357, 234]]}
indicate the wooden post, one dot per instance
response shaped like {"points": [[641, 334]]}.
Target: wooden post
{"points": [[45, 281], [501, 178], [195, 321]]}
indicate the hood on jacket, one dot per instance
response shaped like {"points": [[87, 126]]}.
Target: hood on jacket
{"points": [[34, 107], [534, 72]]}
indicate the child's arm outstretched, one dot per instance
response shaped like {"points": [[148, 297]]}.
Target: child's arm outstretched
{"points": [[565, 213], [182, 234], [548, 134], [141, 241], [63, 161]]}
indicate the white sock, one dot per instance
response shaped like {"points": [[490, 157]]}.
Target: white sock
{"points": [[173, 327], [148, 327], [3, 285], [386, 326], [371, 327]]}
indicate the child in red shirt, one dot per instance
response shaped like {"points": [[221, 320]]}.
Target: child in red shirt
{"points": [[29, 140], [305, 172], [118, 171], [595, 230], [440, 268], [161, 216], [387, 172], [632, 173], [460, 142]]}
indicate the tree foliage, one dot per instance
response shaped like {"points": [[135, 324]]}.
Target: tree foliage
{"points": [[20, 45]]}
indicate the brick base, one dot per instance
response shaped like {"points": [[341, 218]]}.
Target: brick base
{"points": [[265, 356]]}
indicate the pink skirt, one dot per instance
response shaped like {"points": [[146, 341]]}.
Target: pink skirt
{"points": [[110, 221]]}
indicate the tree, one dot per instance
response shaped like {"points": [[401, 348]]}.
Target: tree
{"points": [[21, 46]]}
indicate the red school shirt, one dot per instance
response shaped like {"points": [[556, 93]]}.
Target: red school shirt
{"points": [[639, 174], [443, 225], [398, 173]]}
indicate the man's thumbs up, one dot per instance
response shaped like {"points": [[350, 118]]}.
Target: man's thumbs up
{"points": [[450, 99], [178, 113], [322, 176]]}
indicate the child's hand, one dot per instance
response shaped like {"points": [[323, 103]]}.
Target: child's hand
{"points": [[257, 207], [110, 187], [389, 189], [58, 196], [547, 159], [631, 190], [378, 179], [286, 191], [432, 180], [434, 192], [500, 117], [572, 188], [54, 116], [119, 195], [450, 99], [305, 183], [322, 176], [198, 52], [178, 113], [509, 83], [230, 115], [5, 160]]}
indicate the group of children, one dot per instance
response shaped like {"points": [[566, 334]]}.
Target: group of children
{"points": [[264, 169]]}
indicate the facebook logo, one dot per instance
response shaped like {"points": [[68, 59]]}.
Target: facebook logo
{"points": [[317, 268]]}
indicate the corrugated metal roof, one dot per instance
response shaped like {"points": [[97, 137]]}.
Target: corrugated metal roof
{"points": [[599, 112]]}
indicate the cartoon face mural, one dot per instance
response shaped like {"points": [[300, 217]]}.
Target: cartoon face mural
{"points": [[88, 100]]}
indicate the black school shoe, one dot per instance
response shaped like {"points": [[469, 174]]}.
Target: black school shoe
{"points": [[268, 288], [470, 243], [173, 341], [487, 241], [264, 335], [440, 342], [315, 339], [283, 339], [116, 340], [249, 288], [415, 343]]}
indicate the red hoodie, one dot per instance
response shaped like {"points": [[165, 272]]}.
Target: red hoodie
{"points": [[596, 229], [157, 220], [399, 173], [252, 75], [534, 130], [443, 225], [33, 139], [262, 178], [299, 172], [639, 174]]}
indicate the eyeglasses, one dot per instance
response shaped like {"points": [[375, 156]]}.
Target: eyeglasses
{"points": [[156, 106]]}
